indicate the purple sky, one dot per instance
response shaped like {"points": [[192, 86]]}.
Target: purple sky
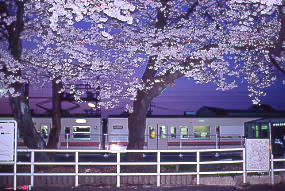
{"points": [[185, 96]]}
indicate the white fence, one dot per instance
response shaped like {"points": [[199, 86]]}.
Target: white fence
{"points": [[118, 163]]}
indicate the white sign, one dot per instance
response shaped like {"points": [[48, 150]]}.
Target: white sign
{"points": [[257, 154], [7, 136]]}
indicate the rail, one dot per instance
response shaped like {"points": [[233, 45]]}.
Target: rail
{"points": [[275, 167], [118, 163]]}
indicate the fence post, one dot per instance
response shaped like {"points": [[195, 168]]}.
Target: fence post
{"points": [[244, 165], [198, 167], [118, 168], [32, 167], [158, 169], [15, 172], [76, 168], [272, 169]]}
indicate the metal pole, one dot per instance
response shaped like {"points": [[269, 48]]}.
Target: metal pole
{"points": [[272, 169], [118, 168], [157, 137], [76, 168], [216, 140], [15, 155], [158, 169], [244, 165], [32, 167], [198, 167], [271, 153], [67, 139]]}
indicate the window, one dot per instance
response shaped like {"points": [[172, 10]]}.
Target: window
{"points": [[81, 132], [173, 132], [202, 132], [264, 131], [184, 132], [117, 126], [256, 131], [162, 131], [44, 131], [151, 132]]}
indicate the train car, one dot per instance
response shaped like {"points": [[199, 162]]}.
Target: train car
{"points": [[76, 132], [180, 132], [81, 132], [268, 128]]}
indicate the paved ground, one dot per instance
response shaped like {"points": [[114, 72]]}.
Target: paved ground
{"points": [[279, 187]]}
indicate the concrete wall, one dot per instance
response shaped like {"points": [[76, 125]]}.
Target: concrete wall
{"points": [[179, 180]]}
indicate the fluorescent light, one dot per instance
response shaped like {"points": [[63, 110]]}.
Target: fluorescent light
{"points": [[80, 120]]}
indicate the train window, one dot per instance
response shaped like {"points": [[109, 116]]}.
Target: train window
{"points": [[117, 126], [173, 132], [44, 131], [256, 131], [264, 131], [151, 131], [202, 132], [162, 131], [184, 132], [81, 132]]}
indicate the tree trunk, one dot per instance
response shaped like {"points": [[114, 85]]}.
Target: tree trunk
{"points": [[136, 125], [19, 104], [137, 121], [22, 114], [56, 116]]}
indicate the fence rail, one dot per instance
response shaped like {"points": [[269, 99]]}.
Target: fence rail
{"points": [[118, 163]]}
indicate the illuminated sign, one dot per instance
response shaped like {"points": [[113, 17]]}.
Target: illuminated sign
{"points": [[7, 132], [278, 124]]}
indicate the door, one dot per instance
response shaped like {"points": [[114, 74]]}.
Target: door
{"points": [[157, 137], [278, 139]]}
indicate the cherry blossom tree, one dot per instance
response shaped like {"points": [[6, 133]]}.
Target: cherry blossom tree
{"points": [[209, 41], [60, 56]]}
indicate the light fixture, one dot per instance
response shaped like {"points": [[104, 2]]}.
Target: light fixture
{"points": [[80, 120], [92, 105]]}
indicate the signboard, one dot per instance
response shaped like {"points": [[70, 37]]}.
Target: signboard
{"points": [[257, 154], [7, 139]]}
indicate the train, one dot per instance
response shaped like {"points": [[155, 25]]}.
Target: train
{"points": [[169, 132], [162, 132]]}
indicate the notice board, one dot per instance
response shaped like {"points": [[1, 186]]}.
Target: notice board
{"points": [[257, 154], [7, 139]]}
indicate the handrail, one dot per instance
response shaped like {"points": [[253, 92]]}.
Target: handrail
{"points": [[118, 163]]}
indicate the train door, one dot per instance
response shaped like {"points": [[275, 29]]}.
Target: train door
{"points": [[157, 137], [278, 138]]}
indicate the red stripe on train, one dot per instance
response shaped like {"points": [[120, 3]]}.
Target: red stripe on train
{"points": [[21, 144], [123, 143], [80, 143], [202, 143]]}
